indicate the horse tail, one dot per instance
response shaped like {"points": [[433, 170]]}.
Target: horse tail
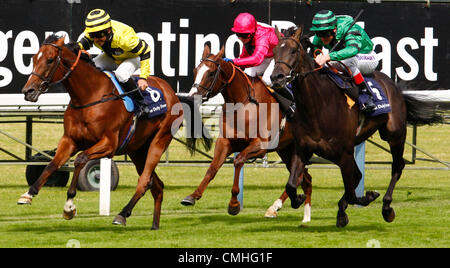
{"points": [[420, 112], [192, 133]]}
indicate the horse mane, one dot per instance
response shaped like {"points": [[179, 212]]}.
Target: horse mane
{"points": [[72, 46], [304, 39]]}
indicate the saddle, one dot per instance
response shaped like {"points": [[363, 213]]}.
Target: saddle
{"points": [[153, 97], [343, 79]]}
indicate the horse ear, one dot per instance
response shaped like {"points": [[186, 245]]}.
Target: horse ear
{"points": [[277, 32], [60, 41], [221, 52], [206, 51], [299, 32]]}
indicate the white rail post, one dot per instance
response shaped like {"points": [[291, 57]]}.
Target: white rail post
{"points": [[360, 157], [105, 186], [240, 196]]}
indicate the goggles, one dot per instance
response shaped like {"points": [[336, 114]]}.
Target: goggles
{"points": [[99, 34], [322, 34], [243, 35]]}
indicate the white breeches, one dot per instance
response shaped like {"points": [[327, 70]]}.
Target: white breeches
{"points": [[364, 63], [123, 71], [265, 70]]}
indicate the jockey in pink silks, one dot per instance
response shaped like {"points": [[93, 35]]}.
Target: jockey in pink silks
{"points": [[257, 54]]}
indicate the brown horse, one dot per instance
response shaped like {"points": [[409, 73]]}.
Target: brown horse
{"points": [[325, 125], [96, 123], [213, 76]]}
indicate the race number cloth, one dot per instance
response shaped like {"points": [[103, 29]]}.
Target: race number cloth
{"points": [[379, 98], [154, 98]]}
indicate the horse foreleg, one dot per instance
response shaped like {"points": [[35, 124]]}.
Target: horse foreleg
{"points": [[66, 148], [104, 148], [254, 148], [307, 189], [221, 151], [297, 167], [351, 177], [305, 180]]}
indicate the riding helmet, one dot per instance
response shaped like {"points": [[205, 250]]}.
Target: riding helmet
{"points": [[97, 20], [323, 20], [244, 23]]}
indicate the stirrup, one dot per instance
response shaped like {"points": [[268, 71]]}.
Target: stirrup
{"points": [[369, 106]]}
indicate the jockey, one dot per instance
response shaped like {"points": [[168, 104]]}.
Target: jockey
{"points": [[123, 51], [355, 51], [257, 54]]}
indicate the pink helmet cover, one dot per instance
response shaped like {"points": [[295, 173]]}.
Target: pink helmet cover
{"points": [[244, 23]]}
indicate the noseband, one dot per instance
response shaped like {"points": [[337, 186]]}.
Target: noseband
{"points": [[47, 81], [216, 77], [293, 73]]}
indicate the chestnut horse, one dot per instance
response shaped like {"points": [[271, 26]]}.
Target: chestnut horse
{"points": [[213, 76], [325, 125], [96, 123]]}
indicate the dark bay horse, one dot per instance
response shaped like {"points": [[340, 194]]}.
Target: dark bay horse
{"points": [[98, 130], [325, 125], [213, 76]]}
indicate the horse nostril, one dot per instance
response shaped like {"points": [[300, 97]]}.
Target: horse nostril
{"points": [[277, 77]]}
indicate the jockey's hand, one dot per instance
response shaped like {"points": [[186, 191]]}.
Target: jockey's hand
{"points": [[142, 84], [321, 59], [228, 60]]}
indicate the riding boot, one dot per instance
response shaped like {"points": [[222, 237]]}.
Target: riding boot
{"points": [[286, 101], [369, 105], [135, 93]]}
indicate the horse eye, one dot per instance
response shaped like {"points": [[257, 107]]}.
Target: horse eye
{"points": [[50, 61]]}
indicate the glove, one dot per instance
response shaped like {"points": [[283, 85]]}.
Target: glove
{"points": [[228, 60]]}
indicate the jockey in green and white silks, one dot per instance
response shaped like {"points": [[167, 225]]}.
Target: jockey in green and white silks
{"points": [[355, 50]]}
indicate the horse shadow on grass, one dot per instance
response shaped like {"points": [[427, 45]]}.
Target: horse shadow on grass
{"points": [[288, 223]]}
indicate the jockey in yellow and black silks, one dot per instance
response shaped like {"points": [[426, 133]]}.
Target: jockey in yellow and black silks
{"points": [[123, 51]]}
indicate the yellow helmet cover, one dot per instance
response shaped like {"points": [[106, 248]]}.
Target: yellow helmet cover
{"points": [[97, 20]]}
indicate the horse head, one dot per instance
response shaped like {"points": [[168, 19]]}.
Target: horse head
{"points": [[207, 74], [45, 64], [288, 55]]}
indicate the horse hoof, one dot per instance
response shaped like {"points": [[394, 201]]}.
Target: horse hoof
{"points": [[68, 215], [155, 227], [120, 220], [188, 201], [342, 221], [372, 195], [24, 200], [388, 214], [234, 210], [271, 213]]}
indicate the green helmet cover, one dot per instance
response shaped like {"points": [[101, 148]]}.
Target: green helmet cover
{"points": [[323, 20]]}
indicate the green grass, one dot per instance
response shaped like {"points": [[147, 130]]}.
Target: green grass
{"points": [[421, 202]]}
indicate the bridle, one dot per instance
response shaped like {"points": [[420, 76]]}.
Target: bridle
{"points": [[47, 81], [216, 77], [293, 73]]}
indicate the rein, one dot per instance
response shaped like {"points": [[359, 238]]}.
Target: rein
{"points": [[227, 83], [293, 72], [216, 76], [47, 81]]}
